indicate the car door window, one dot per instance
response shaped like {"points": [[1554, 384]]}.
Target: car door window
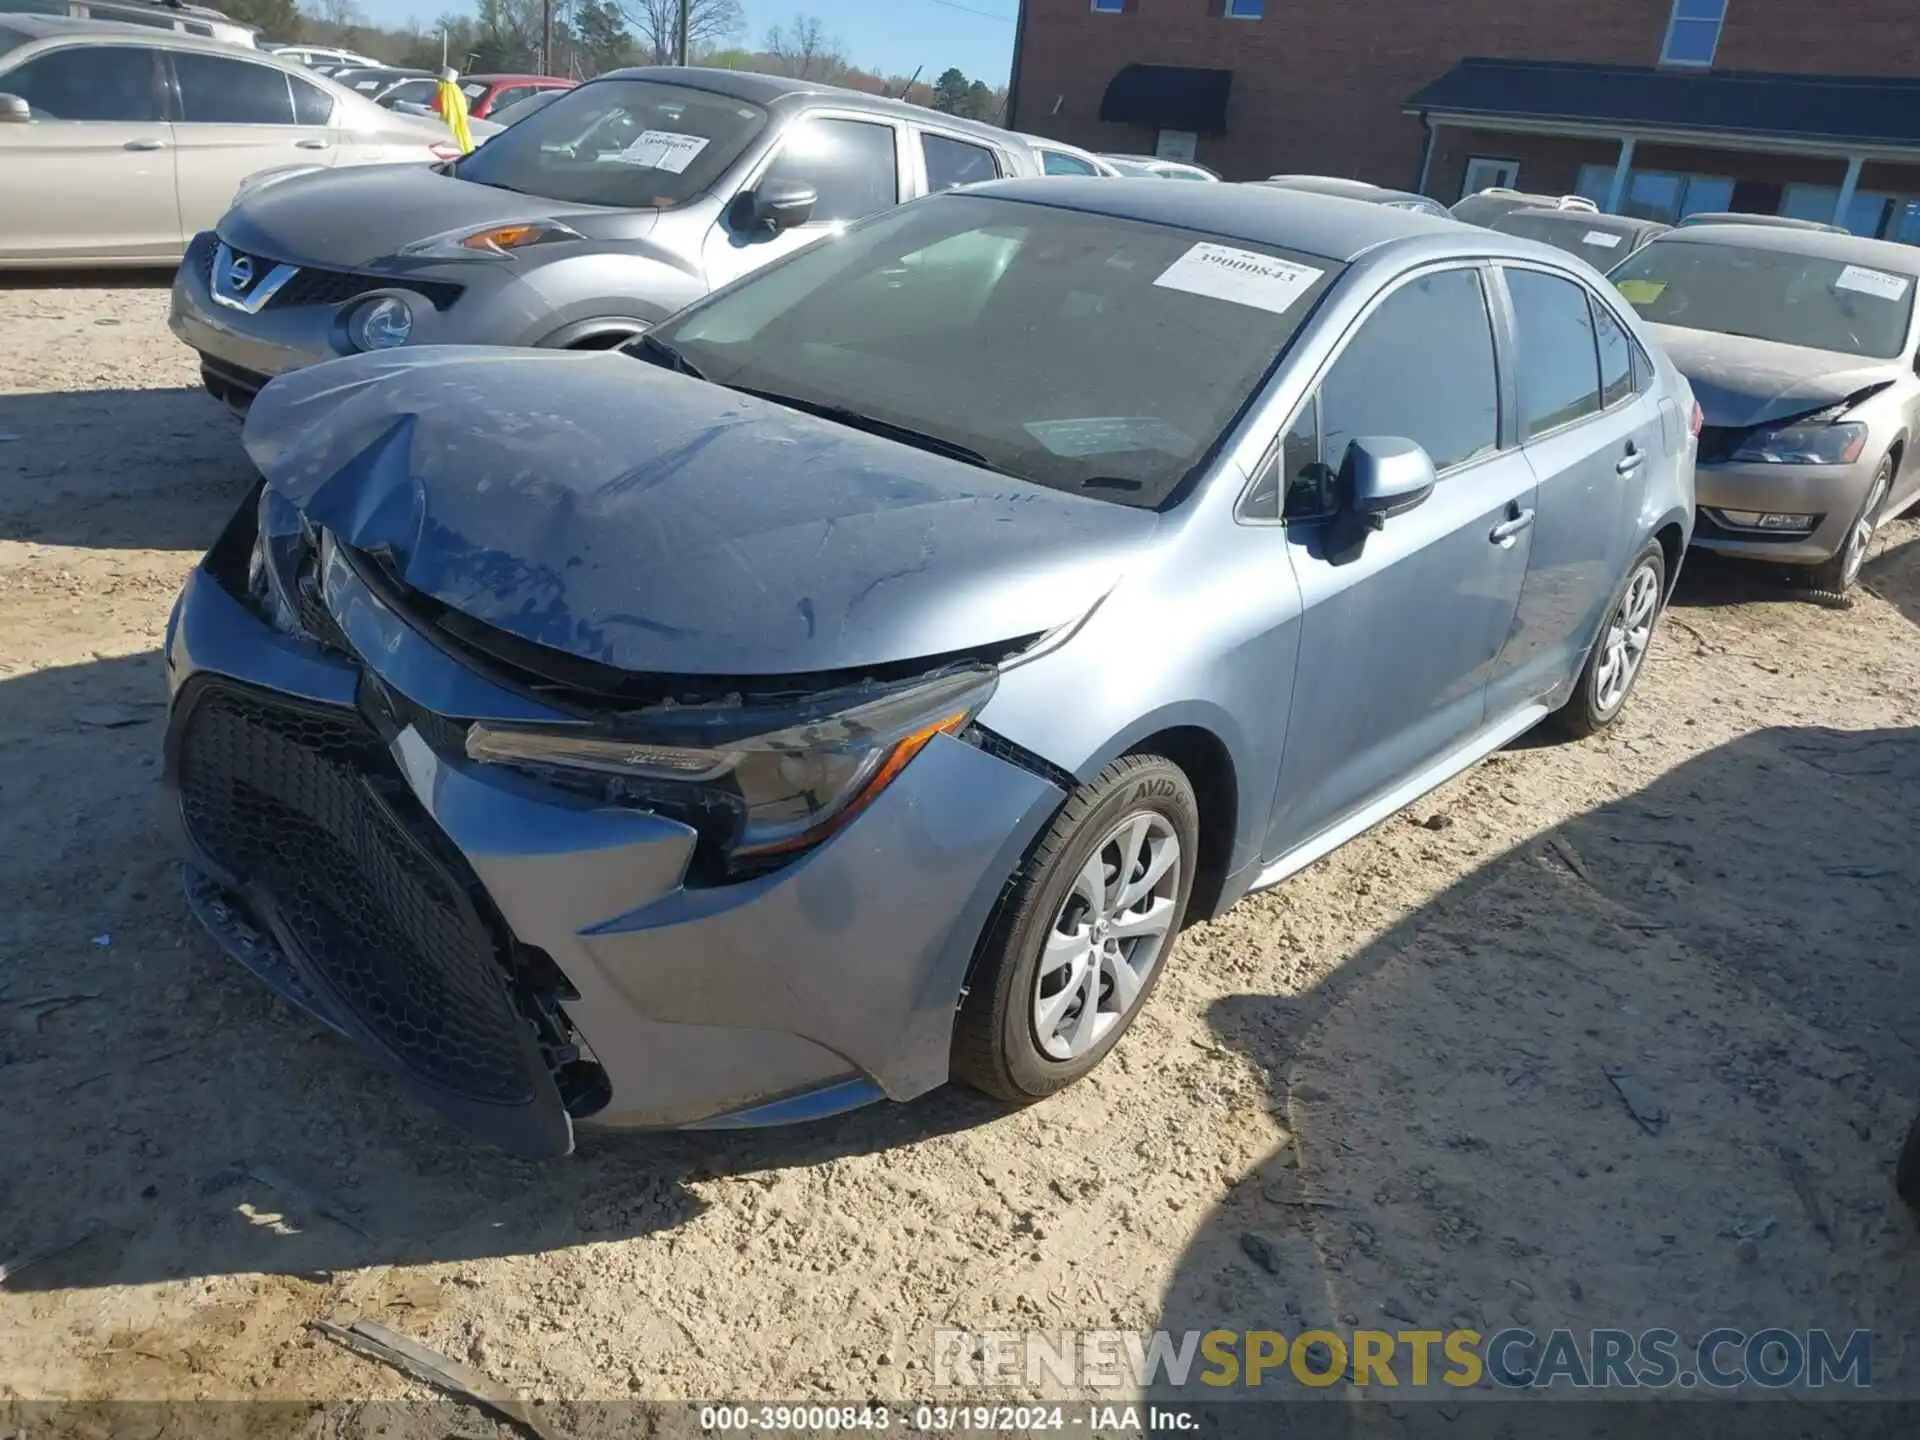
{"points": [[89, 82], [1557, 364], [953, 162], [852, 165], [215, 90], [513, 94], [411, 92], [1055, 163], [1616, 355], [311, 104], [1420, 368]]}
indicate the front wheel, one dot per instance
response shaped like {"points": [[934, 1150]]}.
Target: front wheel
{"points": [[1082, 934], [1838, 575], [1614, 664]]}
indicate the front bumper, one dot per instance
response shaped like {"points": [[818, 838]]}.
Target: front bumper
{"points": [[303, 325], [825, 984], [1833, 492]]}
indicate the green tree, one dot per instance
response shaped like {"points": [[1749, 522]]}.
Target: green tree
{"points": [[950, 92], [276, 19], [602, 35], [980, 104]]}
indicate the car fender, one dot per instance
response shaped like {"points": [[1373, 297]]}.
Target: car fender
{"points": [[601, 291]]}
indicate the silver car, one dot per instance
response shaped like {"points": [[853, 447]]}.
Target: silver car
{"points": [[860, 684], [1801, 346], [118, 143], [623, 200]]}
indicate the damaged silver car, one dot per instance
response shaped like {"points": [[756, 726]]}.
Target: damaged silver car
{"points": [[859, 681], [1802, 349]]}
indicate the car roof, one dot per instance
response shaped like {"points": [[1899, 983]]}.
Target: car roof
{"points": [[1817, 244], [771, 89], [59, 27], [1360, 190], [499, 78], [1781, 222], [1584, 219], [1329, 226]]}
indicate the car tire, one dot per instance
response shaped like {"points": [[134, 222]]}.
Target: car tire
{"points": [[1906, 1175], [1601, 692], [1063, 940], [1836, 577]]}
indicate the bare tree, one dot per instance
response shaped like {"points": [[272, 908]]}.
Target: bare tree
{"points": [[805, 51], [656, 25]]}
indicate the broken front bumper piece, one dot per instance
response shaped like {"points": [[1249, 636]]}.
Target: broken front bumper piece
{"points": [[523, 958]]}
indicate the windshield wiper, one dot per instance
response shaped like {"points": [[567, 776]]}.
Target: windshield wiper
{"points": [[873, 425], [647, 345]]}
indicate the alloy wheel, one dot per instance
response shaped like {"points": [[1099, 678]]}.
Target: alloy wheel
{"points": [[1860, 538], [1624, 646], [1107, 936]]}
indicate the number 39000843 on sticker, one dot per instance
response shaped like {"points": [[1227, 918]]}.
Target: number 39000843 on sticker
{"points": [[1245, 277]]}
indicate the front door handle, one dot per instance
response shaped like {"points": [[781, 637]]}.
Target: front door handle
{"points": [[1631, 461], [1511, 529], [311, 144], [146, 142]]}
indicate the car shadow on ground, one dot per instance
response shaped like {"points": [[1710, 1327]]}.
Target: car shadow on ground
{"points": [[1677, 1047], [1893, 571], [146, 277], [66, 477], [166, 1117]]}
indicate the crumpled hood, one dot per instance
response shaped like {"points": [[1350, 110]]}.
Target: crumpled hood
{"points": [[346, 218], [600, 505], [1741, 382]]}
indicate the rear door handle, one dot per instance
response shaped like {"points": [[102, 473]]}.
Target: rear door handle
{"points": [[146, 142], [1509, 530], [1631, 461], [311, 144]]}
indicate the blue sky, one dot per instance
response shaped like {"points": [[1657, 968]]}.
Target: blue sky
{"points": [[892, 36]]}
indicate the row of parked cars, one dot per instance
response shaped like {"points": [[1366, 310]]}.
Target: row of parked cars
{"points": [[853, 671]]}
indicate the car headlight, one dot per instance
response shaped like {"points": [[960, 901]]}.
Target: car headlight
{"points": [[780, 788], [1805, 444], [494, 242], [381, 324]]}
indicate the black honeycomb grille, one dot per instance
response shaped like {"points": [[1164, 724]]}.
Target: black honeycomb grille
{"points": [[285, 799]]}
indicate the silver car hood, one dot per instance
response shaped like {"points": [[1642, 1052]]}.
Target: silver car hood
{"points": [[1741, 382], [599, 505], [360, 214]]}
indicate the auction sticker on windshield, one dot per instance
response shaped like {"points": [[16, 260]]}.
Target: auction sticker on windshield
{"points": [[1244, 277], [664, 150], [1877, 283], [1600, 238]]}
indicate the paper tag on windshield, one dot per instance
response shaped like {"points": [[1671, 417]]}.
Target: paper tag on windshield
{"points": [[664, 150], [1877, 283], [1600, 238], [1244, 277]]}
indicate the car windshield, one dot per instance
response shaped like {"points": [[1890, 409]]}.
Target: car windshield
{"points": [[1810, 300], [1595, 242], [1080, 351], [631, 144]]}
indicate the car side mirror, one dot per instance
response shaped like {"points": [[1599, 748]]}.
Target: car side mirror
{"points": [[777, 205], [14, 110], [1384, 476]]}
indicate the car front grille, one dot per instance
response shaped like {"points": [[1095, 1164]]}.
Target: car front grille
{"points": [[313, 286], [302, 807]]}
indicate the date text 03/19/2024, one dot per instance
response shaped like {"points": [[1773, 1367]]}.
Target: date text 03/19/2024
{"points": [[945, 1419]]}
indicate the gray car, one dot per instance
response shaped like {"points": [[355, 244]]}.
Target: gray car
{"points": [[604, 212], [1603, 241], [1801, 346], [861, 682]]}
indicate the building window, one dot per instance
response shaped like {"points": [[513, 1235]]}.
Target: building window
{"points": [[1866, 210], [1657, 194], [1245, 9], [1484, 173], [1109, 7], [1693, 34]]}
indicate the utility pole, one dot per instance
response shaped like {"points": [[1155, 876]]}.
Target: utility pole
{"points": [[680, 36], [546, 37]]}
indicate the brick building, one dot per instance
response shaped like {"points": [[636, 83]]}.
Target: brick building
{"points": [[1653, 107]]}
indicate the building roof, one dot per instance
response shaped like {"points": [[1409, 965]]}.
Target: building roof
{"points": [[1847, 249], [1326, 225], [1861, 109]]}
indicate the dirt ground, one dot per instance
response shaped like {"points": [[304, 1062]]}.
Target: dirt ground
{"points": [[1378, 1096]]}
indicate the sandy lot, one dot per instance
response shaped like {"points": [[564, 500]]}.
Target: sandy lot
{"points": [[1379, 1096]]}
